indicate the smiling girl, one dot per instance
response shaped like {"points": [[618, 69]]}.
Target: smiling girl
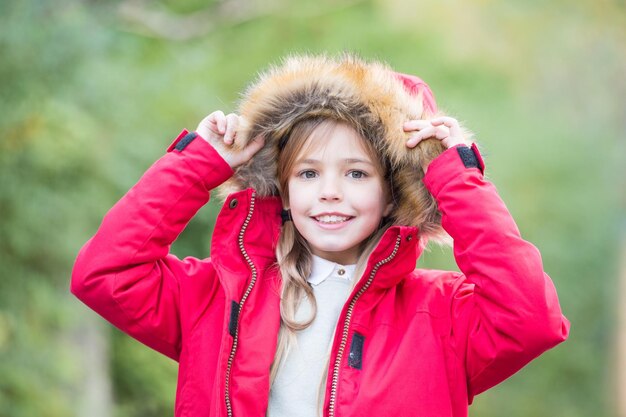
{"points": [[336, 174]]}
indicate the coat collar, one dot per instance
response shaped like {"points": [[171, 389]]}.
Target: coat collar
{"points": [[249, 223], [253, 223], [393, 258]]}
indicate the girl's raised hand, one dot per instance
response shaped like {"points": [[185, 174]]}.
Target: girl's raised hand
{"points": [[445, 129], [221, 132]]}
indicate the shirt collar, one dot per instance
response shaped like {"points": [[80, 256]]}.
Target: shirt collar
{"points": [[323, 269]]}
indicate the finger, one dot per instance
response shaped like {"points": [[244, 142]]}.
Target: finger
{"points": [[441, 132], [417, 137], [210, 125], [443, 120], [254, 146], [413, 141], [232, 122], [415, 125], [207, 127], [218, 119], [449, 122]]}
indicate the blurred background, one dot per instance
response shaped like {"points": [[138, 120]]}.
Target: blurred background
{"points": [[93, 92]]}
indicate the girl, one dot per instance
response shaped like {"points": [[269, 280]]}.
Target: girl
{"points": [[338, 175]]}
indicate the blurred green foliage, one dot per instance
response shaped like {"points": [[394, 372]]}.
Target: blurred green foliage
{"points": [[92, 94]]}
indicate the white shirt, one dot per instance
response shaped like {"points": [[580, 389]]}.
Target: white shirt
{"points": [[295, 389], [323, 269]]}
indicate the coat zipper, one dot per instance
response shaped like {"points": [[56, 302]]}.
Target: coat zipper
{"points": [[233, 349], [346, 326]]}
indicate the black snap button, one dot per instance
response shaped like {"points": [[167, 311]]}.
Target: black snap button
{"points": [[409, 237], [233, 203]]}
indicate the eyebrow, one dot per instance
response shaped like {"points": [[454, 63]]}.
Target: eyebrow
{"points": [[347, 161]]}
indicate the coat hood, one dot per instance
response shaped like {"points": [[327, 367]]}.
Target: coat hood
{"points": [[370, 97]]}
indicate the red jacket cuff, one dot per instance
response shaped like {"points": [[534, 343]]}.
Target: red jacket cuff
{"points": [[201, 157], [450, 164]]}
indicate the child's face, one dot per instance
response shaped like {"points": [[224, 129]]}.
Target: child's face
{"points": [[336, 195]]}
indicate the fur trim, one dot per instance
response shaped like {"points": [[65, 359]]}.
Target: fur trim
{"points": [[369, 96]]}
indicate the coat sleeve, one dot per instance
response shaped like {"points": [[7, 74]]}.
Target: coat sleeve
{"points": [[505, 310], [125, 271]]}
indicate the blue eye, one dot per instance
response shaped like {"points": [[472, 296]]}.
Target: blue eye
{"points": [[356, 174], [307, 174]]}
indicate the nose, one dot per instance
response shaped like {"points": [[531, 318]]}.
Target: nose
{"points": [[330, 190]]}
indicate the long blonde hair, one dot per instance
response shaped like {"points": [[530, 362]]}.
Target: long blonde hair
{"points": [[293, 252]]}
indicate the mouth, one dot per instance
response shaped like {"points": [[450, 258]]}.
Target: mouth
{"points": [[330, 219]]}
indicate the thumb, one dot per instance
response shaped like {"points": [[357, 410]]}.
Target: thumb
{"points": [[253, 147]]}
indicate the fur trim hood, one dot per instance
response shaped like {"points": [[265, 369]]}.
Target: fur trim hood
{"points": [[370, 97]]}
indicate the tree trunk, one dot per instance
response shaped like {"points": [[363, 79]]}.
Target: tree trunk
{"points": [[621, 334], [94, 389]]}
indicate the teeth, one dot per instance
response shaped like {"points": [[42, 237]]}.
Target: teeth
{"points": [[331, 219]]}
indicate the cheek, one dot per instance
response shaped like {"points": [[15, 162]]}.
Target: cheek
{"points": [[296, 198], [373, 201], [297, 205], [291, 193]]}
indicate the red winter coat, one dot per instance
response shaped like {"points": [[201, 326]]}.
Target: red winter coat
{"points": [[427, 340]]}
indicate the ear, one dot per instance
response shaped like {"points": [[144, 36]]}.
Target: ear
{"points": [[388, 210]]}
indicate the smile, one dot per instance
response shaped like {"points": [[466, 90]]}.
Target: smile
{"points": [[332, 219]]}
